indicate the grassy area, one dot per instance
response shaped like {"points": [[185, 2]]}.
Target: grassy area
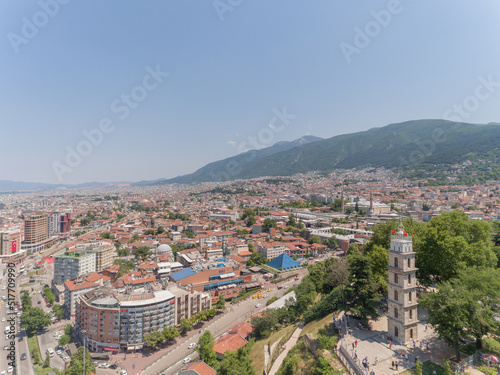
{"points": [[317, 324], [427, 368], [257, 352], [275, 271], [33, 345]]}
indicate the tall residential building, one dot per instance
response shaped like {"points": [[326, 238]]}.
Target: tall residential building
{"points": [[104, 255], [71, 265], [36, 231], [402, 320]]}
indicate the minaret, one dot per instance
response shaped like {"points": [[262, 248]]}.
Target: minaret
{"points": [[370, 211], [402, 314], [342, 200]]}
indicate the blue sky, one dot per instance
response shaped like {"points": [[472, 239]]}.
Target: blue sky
{"points": [[230, 69]]}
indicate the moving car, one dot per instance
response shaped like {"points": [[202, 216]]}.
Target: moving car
{"points": [[186, 360], [23, 356], [190, 346]]}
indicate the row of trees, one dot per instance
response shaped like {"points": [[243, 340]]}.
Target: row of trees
{"points": [[33, 318]]}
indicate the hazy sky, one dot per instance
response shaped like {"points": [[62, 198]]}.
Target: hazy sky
{"points": [[173, 85]]}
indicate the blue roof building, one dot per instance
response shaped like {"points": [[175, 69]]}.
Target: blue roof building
{"points": [[284, 263]]}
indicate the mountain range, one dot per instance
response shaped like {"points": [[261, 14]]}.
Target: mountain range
{"points": [[396, 145], [411, 143]]}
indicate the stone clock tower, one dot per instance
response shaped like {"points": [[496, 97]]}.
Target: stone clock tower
{"points": [[402, 306]]}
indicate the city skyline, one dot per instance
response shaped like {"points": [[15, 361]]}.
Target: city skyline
{"points": [[159, 91]]}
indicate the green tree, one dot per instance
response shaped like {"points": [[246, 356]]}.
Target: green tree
{"points": [[170, 333], [64, 340], [362, 294], [134, 238], [379, 259], [46, 363], [453, 242], [34, 319], [106, 235], [77, 367], [150, 232], [237, 362], [160, 230], [68, 329], [25, 300], [59, 311], [257, 259], [268, 224], [142, 252], [221, 303], [446, 367], [353, 249], [185, 325], [205, 348], [418, 369], [314, 239], [291, 221], [154, 338]]}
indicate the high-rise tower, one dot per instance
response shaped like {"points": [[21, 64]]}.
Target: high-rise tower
{"points": [[402, 319]]}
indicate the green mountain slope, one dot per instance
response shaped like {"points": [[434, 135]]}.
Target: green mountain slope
{"points": [[396, 145], [228, 169]]}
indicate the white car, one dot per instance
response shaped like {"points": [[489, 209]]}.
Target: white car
{"points": [[192, 345], [258, 305], [186, 360], [3, 319], [123, 372], [103, 365], [3, 373], [4, 287], [10, 369]]}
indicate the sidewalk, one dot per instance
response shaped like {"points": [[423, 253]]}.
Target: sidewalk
{"points": [[289, 345]]}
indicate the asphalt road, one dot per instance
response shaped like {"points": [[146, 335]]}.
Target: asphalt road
{"points": [[234, 314]]}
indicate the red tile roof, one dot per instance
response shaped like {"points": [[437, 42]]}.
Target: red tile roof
{"points": [[231, 342], [200, 368]]}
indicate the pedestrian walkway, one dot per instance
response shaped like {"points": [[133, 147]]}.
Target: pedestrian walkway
{"points": [[289, 345]]}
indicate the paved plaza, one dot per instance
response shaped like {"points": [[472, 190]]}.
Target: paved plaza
{"points": [[373, 345]]}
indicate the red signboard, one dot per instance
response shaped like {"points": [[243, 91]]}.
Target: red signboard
{"points": [[14, 246]]}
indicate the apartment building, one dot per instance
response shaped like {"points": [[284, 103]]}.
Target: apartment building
{"points": [[104, 255], [70, 265], [36, 232], [76, 287], [271, 250], [119, 321]]}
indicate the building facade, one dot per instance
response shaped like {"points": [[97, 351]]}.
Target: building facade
{"points": [[36, 232], [119, 321], [71, 265], [402, 305], [104, 255]]}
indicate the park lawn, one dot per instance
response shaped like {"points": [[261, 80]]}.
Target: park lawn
{"points": [[257, 352], [427, 368], [317, 324]]}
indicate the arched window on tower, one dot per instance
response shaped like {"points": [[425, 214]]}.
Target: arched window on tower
{"points": [[396, 331], [396, 278], [396, 312], [396, 295], [409, 262], [396, 262]]}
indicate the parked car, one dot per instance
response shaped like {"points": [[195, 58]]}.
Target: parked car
{"points": [[190, 346], [23, 356], [186, 360]]}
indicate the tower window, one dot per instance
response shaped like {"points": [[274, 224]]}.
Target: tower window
{"points": [[409, 296], [396, 262], [411, 333], [396, 331], [409, 279], [409, 262], [396, 313], [396, 278], [396, 295], [411, 314]]}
